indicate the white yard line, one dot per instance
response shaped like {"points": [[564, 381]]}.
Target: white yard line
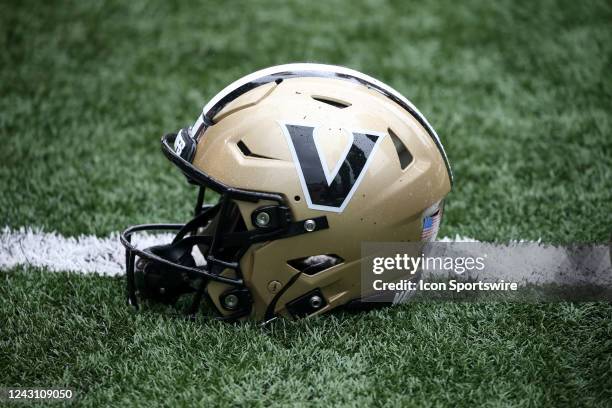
{"points": [[83, 254], [86, 254]]}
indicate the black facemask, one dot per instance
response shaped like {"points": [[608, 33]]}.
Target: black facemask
{"points": [[164, 273]]}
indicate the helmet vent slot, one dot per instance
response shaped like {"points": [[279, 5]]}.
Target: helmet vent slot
{"points": [[314, 264], [248, 153], [336, 103], [404, 155]]}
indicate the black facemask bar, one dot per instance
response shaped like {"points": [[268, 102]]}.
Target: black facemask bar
{"points": [[174, 260]]}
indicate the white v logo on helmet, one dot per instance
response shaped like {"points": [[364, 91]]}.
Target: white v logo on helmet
{"points": [[325, 189]]}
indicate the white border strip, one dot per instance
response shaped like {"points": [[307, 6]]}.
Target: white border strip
{"points": [[305, 66], [313, 67]]}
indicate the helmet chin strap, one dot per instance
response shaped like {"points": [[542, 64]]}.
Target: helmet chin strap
{"points": [[270, 315], [270, 310]]}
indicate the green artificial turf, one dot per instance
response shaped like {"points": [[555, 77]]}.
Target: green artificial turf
{"points": [[520, 93], [64, 330]]}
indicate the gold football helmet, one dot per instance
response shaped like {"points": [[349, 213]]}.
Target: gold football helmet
{"points": [[308, 161]]}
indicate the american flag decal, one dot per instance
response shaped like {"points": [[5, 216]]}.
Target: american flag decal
{"points": [[431, 225]]}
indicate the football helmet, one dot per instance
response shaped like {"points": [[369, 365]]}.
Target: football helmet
{"points": [[307, 162]]}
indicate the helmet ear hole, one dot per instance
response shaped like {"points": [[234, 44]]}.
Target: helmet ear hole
{"points": [[314, 264]]}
